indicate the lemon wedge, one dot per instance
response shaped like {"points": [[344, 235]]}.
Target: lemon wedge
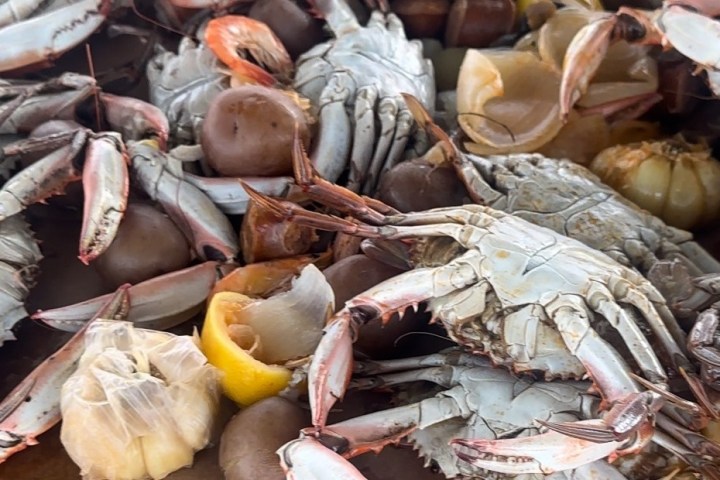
{"points": [[228, 346]]}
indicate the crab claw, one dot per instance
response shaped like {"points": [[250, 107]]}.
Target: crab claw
{"points": [[584, 55], [106, 182], [331, 367], [308, 459], [540, 454]]}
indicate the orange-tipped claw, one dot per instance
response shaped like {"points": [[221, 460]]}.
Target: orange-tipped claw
{"points": [[545, 453], [229, 34], [584, 55]]}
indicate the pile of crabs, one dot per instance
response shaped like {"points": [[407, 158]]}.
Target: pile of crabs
{"points": [[584, 327]]}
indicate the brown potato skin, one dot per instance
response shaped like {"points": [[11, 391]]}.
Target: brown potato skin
{"points": [[417, 185], [250, 439], [147, 244], [249, 131]]}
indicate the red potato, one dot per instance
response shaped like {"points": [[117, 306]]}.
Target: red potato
{"points": [[248, 131], [147, 244]]}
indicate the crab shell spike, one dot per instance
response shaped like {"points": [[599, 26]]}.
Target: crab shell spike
{"points": [[33, 407], [582, 59], [230, 33], [538, 454]]}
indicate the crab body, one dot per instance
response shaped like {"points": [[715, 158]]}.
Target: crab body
{"points": [[356, 79]]}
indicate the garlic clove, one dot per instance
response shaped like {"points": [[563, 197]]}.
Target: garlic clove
{"points": [[708, 174], [685, 204], [165, 451], [647, 184]]}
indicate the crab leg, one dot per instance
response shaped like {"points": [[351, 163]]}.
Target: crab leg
{"points": [[44, 178], [33, 407], [105, 184], [229, 195], [159, 303], [36, 103], [45, 37], [207, 228], [331, 365]]}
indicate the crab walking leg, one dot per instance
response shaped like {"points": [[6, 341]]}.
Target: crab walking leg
{"points": [[229, 195], [335, 132], [328, 193], [33, 407], [331, 365], [44, 178], [159, 303], [387, 113], [338, 15], [402, 134], [207, 228], [105, 184], [32, 107], [45, 37], [364, 137]]}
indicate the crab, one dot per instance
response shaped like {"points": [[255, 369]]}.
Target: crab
{"points": [[104, 169], [531, 299], [669, 26], [481, 406], [354, 83], [571, 200]]}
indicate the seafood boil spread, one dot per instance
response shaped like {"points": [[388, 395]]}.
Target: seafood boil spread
{"points": [[362, 239]]}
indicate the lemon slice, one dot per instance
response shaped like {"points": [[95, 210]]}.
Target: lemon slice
{"points": [[228, 346]]}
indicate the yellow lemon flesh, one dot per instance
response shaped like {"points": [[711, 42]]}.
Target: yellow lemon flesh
{"points": [[246, 380]]}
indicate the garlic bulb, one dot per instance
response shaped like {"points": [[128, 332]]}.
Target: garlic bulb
{"points": [[674, 180], [140, 404]]}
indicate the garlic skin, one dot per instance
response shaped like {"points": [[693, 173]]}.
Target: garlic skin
{"points": [[140, 404], [674, 180]]}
